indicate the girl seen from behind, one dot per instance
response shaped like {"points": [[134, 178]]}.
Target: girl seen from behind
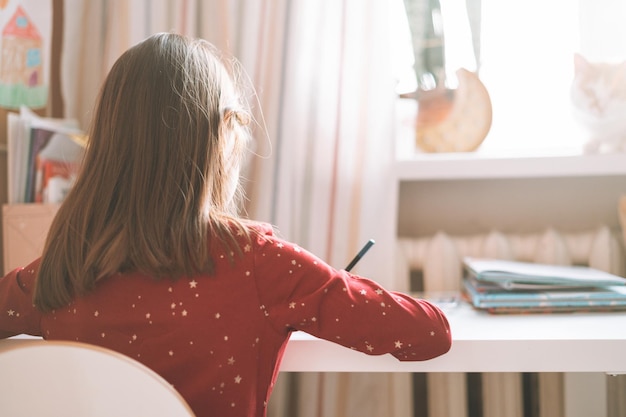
{"points": [[148, 256]]}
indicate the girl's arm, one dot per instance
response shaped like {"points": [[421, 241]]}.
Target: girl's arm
{"points": [[301, 292], [17, 313]]}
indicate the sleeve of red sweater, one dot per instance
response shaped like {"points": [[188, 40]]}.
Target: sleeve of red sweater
{"points": [[17, 313], [301, 292]]}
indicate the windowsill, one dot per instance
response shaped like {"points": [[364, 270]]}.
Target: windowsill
{"points": [[501, 164], [519, 156]]}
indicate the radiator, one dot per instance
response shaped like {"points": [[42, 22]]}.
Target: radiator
{"points": [[437, 259]]}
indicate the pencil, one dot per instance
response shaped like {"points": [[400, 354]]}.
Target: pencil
{"points": [[359, 255]]}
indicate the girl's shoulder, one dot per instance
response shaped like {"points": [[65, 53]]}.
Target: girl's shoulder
{"points": [[256, 231], [260, 228], [243, 233]]}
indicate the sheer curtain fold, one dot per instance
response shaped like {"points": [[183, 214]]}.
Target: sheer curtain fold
{"points": [[332, 147], [322, 163]]}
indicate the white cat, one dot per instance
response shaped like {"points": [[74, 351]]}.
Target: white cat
{"points": [[598, 96]]}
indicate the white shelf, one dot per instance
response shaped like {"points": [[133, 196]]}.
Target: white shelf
{"points": [[459, 166]]}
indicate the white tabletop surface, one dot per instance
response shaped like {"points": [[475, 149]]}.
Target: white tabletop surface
{"points": [[482, 342]]}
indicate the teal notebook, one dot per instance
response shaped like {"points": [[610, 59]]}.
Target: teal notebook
{"points": [[526, 275]]}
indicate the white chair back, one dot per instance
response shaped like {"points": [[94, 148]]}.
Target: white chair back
{"points": [[52, 378]]}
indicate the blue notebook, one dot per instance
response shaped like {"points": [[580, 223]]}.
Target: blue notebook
{"points": [[490, 297], [499, 286]]}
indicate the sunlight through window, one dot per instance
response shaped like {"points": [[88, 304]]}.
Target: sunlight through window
{"points": [[526, 61]]}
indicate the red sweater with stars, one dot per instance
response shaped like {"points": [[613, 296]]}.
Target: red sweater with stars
{"points": [[219, 339]]}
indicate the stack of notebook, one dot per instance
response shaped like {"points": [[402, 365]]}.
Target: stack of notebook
{"points": [[500, 286]]}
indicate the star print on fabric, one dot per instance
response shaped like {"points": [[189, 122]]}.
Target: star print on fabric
{"points": [[432, 333], [260, 277], [96, 313], [11, 312]]}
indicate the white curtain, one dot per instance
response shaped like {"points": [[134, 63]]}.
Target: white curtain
{"points": [[322, 164]]}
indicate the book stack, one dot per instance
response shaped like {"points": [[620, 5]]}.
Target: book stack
{"points": [[43, 157], [500, 286]]}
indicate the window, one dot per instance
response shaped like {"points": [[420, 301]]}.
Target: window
{"points": [[526, 61]]}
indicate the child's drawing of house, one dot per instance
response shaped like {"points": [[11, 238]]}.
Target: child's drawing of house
{"points": [[21, 65]]}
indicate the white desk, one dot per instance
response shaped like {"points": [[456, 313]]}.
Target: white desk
{"points": [[570, 343], [593, 342]]}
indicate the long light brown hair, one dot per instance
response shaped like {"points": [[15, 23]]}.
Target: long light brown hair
{"points": [[158, 174]]}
